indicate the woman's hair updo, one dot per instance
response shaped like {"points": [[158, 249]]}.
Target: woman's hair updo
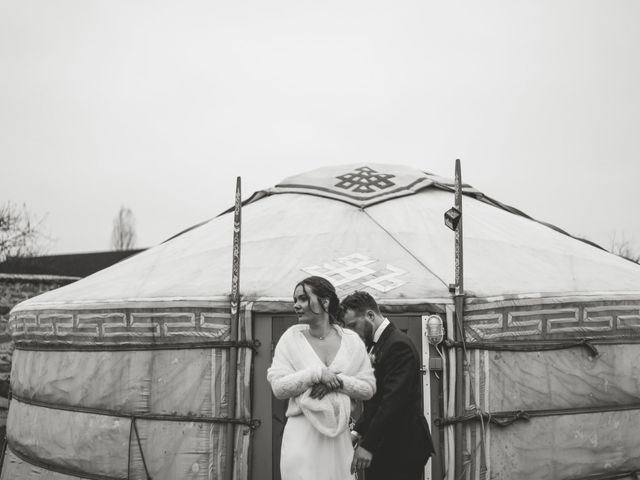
{"points": [[324, 290]]}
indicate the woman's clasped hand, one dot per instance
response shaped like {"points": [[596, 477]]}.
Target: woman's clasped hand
{"points": [[329, 382]]}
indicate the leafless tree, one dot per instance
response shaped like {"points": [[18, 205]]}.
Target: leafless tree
{"points": [[21, 233], [622, 247], [123, 235]]}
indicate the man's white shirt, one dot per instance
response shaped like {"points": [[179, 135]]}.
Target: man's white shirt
{"points": [[380, 329], [378, 333]]}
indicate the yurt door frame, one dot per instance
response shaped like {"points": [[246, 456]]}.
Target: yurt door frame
{"points": [[432, 370], [267, 439]]}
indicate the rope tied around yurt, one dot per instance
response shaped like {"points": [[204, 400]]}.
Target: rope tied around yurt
{"points": [[3, 451], [251, 423], [528, 347], [618, 474], [112, 347], [504, 419], [134, 429], [467, 457]]}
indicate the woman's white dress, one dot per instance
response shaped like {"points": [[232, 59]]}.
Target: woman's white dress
{"points": [[316, 444]]}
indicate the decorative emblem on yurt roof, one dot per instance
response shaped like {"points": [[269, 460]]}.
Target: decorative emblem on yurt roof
{"points": [[361, 185], [365, 180]]}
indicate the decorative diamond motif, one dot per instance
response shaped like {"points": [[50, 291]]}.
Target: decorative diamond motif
{"points": [[355, 272], [385, 283], [365, 180]]}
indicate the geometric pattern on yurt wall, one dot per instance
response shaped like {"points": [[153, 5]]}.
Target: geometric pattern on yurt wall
{"points": [[142, 325], [551, 320]]}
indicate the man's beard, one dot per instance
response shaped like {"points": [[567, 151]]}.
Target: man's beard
{"points": [[368, 334]]}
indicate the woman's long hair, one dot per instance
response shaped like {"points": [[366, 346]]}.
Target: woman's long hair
{"points": [[324, 290]]}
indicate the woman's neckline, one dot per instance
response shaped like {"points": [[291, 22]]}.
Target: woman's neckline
{"points": [[306, 339], [328, 332]]}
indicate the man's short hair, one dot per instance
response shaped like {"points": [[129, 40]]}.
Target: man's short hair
{"points": [[359, 302]]}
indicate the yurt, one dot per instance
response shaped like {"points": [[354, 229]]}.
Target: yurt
{"points": [[155, 367]]}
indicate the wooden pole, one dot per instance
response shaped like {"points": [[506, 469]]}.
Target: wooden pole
{"points": [[459, 334], [235, 321]]}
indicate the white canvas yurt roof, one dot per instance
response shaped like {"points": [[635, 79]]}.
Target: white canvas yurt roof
{"points": [[126, 373], [364, 226]]}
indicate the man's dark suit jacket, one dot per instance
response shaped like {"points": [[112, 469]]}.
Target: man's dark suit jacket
{"points": [[392, 424]]}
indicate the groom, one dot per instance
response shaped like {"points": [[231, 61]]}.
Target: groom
{"points": [[392, 433]]}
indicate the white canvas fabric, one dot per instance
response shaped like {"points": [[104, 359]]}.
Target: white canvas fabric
{"points": [[366, 227], [287, 236]]}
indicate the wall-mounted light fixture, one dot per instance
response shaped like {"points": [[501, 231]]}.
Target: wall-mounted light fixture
{"points": [[435, 330]]}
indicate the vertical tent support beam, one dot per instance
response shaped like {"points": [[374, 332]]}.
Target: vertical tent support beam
{"points": [[459, 316], [235, 321]]}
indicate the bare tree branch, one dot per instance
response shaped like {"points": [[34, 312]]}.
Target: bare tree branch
{"points": [[21, 235], [123, 235], [622, 247]]}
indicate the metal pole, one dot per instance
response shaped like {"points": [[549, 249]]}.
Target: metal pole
{"points": [[235, 321], [459, 305]]}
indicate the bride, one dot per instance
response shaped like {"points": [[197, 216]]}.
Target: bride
{"points": [[319, 367]]}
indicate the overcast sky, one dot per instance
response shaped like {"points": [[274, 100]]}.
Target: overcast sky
{"points": [[159, 105]]}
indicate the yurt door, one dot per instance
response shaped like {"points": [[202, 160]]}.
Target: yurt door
{"points": [[278, 407], [410, 324]]}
